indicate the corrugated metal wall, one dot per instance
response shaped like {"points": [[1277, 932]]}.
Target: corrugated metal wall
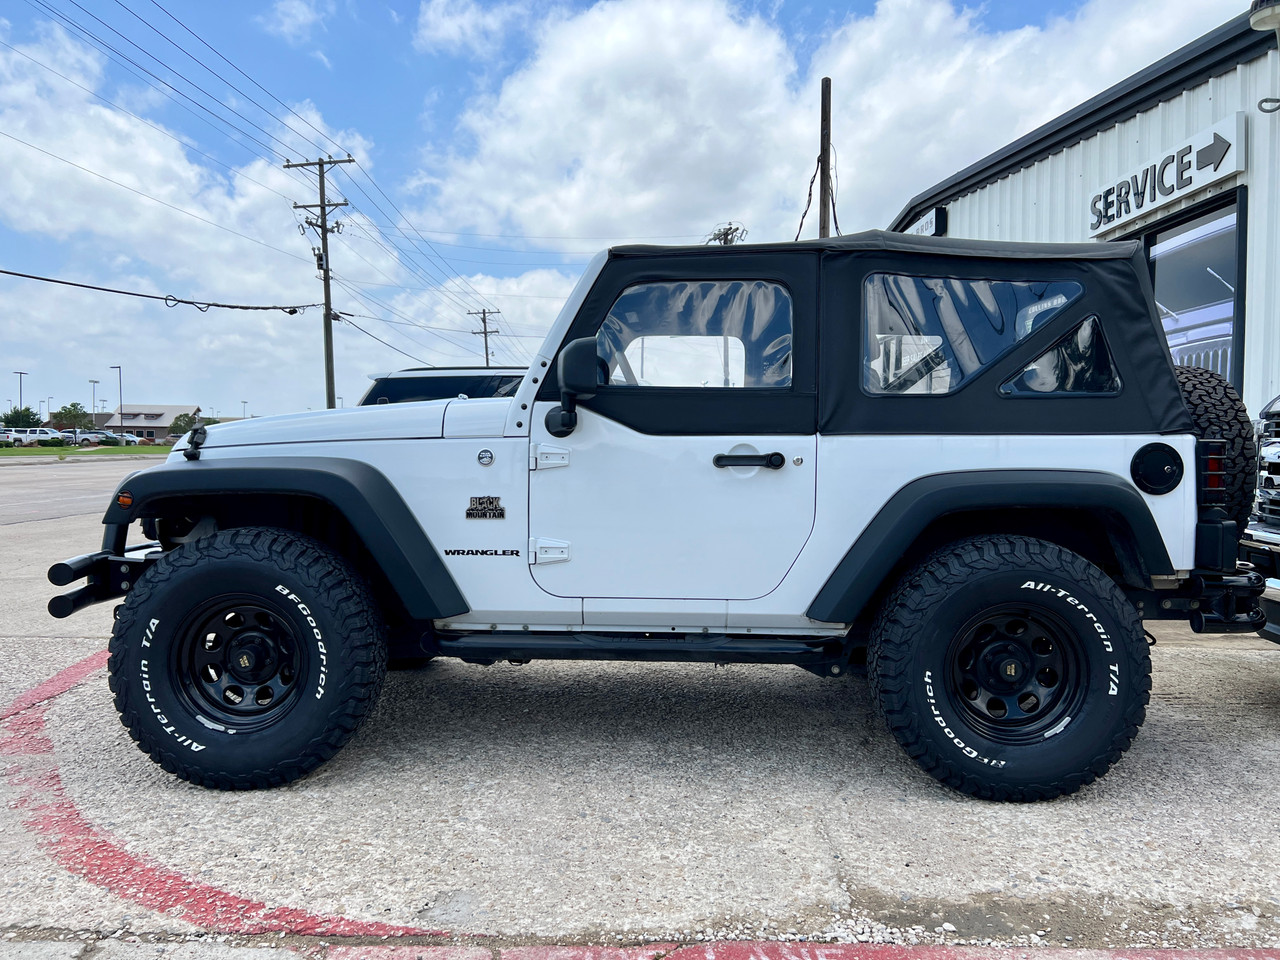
{"points": [[1050, 200]]}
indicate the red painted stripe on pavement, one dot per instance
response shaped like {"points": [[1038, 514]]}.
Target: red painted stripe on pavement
{"points": [[647, 952], [407, 953], [56, 685], [87, 851], [399, 952]]}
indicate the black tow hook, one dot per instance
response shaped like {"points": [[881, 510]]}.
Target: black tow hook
{"points": [[1229, 604]]}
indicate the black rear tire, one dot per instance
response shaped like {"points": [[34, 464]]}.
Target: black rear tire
{"points": [[247, 658], [1010, 668], [1219, 414]]}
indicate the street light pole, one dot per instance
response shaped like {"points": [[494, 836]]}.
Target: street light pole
{"points": [[120, 377], [21, 374], [244, 406], [93, 406]]}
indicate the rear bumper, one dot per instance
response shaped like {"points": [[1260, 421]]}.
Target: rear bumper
{"points": [[110, 574], [1228, 604]]}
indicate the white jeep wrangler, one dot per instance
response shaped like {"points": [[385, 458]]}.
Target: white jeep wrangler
{"points": [[969, 469]]}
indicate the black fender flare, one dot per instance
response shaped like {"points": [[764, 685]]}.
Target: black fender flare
{"points": [[362, 494], [911, 510]]}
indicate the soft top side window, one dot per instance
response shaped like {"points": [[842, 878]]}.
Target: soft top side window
{"points": [[1078, 364], [698, 333], [929, 335]]}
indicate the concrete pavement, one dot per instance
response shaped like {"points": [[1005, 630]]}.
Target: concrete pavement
{"points": [[488, 808]]}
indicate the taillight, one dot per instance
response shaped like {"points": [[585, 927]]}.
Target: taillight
{"points": [[1212, 484]]}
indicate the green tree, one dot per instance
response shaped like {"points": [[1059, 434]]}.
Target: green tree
{"points": [[72, 417], [182, 423], [20, 417]]}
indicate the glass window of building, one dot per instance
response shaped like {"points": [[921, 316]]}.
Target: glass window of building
{"points": [[1195, 272]]}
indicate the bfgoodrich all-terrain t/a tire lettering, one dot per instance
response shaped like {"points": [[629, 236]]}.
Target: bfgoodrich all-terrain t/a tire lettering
{"points": [[1010, 668], [247, 658]]}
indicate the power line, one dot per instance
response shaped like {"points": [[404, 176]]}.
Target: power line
{"points": [[347, 317], [147, 196], [361, 168], [433, 288], [216, 53], [214, 73], [156, 127], [178, 74], [426, 269], [169, 300], [366, 298], [809, 200], [523, 296], [119, 55], [492, 249], [449, 285]]}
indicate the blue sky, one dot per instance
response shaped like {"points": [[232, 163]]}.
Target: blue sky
{"points": [[500, 143]]}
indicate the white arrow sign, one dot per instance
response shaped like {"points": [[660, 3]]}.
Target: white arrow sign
{"points": [[1199, 161]]}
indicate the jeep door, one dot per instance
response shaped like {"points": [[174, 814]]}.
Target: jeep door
{"points": [[691, 473]]}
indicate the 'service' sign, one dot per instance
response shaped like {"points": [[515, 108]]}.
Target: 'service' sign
{"points": [[1197, 162]]}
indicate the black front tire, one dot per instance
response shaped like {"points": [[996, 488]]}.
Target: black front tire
{"points": [[247, 658], [1010, 668]]}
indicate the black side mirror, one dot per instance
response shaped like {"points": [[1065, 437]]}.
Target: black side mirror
{"points": [[577, 373]]}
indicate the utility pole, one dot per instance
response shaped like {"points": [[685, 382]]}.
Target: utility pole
{"points": [[322, 227], [484, 314], [120, 377], [824, 163], [727, 234]]}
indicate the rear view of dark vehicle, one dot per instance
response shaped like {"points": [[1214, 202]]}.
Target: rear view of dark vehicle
{"points": [[443, 383]]}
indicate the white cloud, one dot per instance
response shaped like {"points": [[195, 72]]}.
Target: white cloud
{"points": [[112, 237], [464, 25], [295, 20], [640, 117], [632, 118]]}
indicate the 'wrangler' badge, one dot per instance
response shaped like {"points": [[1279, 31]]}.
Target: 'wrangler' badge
{"points": [[486, 508]]}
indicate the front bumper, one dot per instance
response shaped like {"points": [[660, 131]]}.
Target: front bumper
{"points": [[111, 573]]}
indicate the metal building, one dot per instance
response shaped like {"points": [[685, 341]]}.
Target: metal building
{"points": [[1184, 156]]}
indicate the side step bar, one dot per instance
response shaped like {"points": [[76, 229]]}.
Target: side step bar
{"points": [[697, 648]]}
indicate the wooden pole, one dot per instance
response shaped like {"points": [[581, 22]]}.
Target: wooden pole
{"points": [[824, 163]]}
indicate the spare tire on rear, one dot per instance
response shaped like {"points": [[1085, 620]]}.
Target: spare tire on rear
{"points": [[1219, 414]]}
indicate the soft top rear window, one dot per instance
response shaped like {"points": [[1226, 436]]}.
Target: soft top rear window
{"points": [[930, 335]]}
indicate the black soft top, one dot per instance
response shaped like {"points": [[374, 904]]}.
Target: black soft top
{"points": [[828, 282], [889, 242]]}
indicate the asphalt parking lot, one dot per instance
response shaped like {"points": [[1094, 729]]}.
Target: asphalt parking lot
{"points": [[611, 803]]}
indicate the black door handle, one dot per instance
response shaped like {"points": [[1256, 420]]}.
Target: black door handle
{"points": [[774, 461]]}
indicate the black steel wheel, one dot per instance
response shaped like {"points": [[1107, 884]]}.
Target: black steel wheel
{"points": [[247, 658], [1015, 672], [1010, 668], [239, 661]]}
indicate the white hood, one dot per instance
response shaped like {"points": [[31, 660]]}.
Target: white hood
{"points": [[388, 421]]}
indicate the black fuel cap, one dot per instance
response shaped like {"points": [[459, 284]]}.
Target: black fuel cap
{"points": [[1157, 469]]}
